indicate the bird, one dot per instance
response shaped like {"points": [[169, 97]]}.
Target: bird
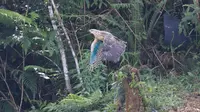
{"points": [[105, 47]]}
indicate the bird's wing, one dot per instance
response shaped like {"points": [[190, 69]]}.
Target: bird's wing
{"points": [[112, 48], [96, 47]]}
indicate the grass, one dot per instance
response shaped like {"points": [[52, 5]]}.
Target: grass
{"points": [[167, 92]]}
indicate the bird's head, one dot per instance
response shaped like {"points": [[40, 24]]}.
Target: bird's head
{"points": [[97, 34]]}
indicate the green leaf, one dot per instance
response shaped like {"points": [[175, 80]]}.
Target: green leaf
{"points": [[12, 18], [34, 16], [26, 44], [30, 81]]}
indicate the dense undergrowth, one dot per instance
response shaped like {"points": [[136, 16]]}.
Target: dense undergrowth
{"points": [[158, 94], [31, 75]]}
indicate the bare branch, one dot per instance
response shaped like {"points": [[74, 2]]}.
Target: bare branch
{"points": [[22, 96], [159, 60]]}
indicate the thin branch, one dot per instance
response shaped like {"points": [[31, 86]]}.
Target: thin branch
{"points": [[172, 50], [79, 47], [4, 79], [22, 85], [129, 28], [25, 93], [98, 16], [178, 61], [84, 11], [11, 96], [50, 61], [22, 96], [159, 60], [16, 51], [6, 99], [126, 23]]}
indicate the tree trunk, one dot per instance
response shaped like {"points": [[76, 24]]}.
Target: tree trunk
{"points": [[60, 21], [62, 51]]}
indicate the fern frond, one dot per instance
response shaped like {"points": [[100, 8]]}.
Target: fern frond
{"points": [[75, 103], [40, 71], [30, 81]]}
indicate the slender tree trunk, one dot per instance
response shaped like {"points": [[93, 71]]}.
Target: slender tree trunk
{"points": [[60, 21], [62, 51]]}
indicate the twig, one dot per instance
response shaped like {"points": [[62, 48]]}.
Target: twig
{"points": [[178, 61], [11, 96], [6, 99], [84, 11], [154, 17], [25, 93], [4, 79], [79, 48], [159, 60], [99, 16], [126, 23], [50, 61], [22, 96], [188, 51], [129, 27], [22, 85], [172, 50]]}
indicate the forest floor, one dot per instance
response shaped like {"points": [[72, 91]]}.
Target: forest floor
{"points": [[191, 104]]}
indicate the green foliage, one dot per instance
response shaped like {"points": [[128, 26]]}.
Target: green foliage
{"points": [[26, 30], [130, 58], [50, 45], [156, 15], [5, 107], [72, 103], [122, 5], [190, 81], [190, 22], [11, 18], [165, 93], [131, 21], [91, 80], [40, 71], [190, 17], [30, 81], [37, 69], [161, 96], [34, 16], [110, 107], [75, 103]]}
